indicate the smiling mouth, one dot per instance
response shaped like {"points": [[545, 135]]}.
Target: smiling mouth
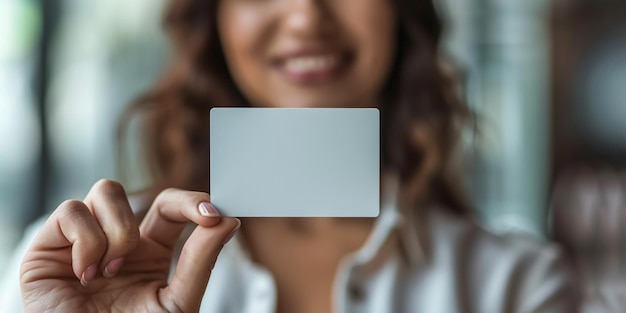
{"points": [[313, 68]]}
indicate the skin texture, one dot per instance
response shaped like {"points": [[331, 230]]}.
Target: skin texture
{"points": [[94, 256], [258, 35], [259, 38], [74, 262]]}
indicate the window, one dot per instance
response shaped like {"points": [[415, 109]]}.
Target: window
{"points": [[67, 69]]}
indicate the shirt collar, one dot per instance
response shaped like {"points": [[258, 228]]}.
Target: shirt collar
{"points": [[409, 222], [404, 227]]}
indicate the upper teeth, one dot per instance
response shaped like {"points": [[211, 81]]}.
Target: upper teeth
{"points": [[310, 63]]}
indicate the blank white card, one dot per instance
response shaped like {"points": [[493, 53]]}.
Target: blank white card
{"points": [[295, 162]]}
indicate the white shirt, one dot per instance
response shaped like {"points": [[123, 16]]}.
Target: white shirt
{"points": [[465, 270], [439, 263]]}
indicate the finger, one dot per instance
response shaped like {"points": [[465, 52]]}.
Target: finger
{"points": [[196, 262], [172, 210], [71, 226], [108, 202]]}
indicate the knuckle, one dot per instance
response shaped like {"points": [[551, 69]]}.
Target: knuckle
{"points": [[167, 195], [72, 207], [168, 192], [109, 187], [77, 213]]}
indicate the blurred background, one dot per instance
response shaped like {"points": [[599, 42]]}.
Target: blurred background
{"points": [[546, 78]]}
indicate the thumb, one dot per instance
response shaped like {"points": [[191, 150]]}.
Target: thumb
{"points": [[198, 256]]}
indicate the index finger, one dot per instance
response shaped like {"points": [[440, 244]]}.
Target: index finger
{"points": [[172, 210]]}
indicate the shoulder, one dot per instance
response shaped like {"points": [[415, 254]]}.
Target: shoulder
{"points": [[526, 271], [450, 231]]}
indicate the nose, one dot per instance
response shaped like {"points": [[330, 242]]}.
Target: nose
{"points": [[308, 18]]}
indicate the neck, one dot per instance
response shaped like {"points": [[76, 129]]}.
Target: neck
{"points": [[312, 226]]}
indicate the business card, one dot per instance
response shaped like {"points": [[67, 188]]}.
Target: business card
{"points": [[295, 162]]}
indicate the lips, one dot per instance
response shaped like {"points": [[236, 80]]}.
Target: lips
{"points": [[313, 67]]}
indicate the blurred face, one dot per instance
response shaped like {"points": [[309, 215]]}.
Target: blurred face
{"points": [[308, 53]]}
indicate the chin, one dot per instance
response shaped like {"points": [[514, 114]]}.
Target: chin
{"points": [[321, 102]]}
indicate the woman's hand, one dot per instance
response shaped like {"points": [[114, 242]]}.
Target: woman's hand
{"points": [[92, 256]]}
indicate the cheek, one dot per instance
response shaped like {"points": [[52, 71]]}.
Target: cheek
{"points": [[242, 36], [247, 31], [377, 34], [375, 26]]}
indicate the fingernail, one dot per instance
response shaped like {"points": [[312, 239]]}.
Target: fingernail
{"points": [[232, 233], [208, 210], [113, 267], [88, 275]]}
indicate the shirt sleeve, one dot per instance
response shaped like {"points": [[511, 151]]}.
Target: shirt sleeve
{"points": [[10, 294], [548, 283]]}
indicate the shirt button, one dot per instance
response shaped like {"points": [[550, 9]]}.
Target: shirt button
{"points": [[356, 293]]}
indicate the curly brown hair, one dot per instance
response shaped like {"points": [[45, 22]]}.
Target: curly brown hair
{"points": [[422, 115]]}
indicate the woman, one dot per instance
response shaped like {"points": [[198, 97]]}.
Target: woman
{"points": [[423, 254]]}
